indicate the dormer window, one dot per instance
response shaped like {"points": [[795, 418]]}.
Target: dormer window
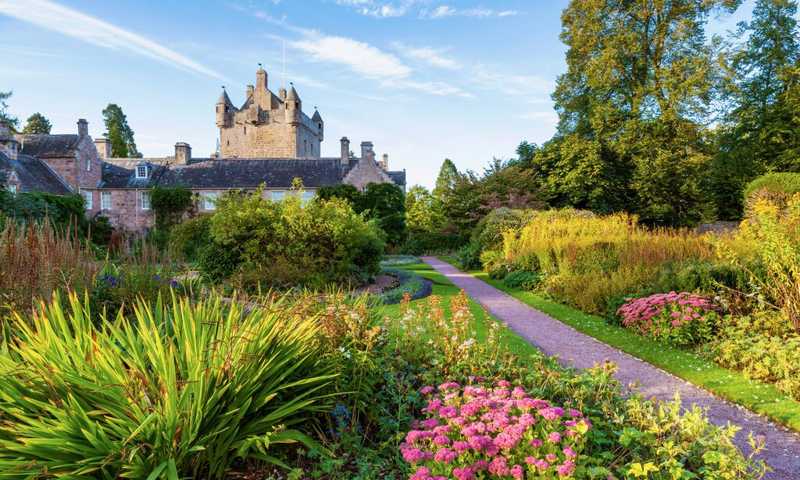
{"points": [[141, 171]]}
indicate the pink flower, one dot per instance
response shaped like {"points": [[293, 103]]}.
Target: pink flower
{"points": [[441, 440], [569, 452], [499, 466], [445, 455], [566, 469], [427, 390], [465, 473], [536, 443], [422, 473], [517, 472], [554, 437]]}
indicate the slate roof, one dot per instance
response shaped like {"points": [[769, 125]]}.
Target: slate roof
{"points": [[44, 146], [208, 173], [398, 177], [33, 175]]}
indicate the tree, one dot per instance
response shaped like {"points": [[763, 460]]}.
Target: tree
{"points": [[5, 117], [446, 181], [119, 133], [423, 212], [759, 131], [37, 123], [385, 203], [636, 93]]}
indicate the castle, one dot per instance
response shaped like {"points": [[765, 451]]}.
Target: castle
{"points": [[266, 143]]}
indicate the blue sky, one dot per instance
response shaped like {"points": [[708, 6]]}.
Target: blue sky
{"points": [[422, 79]]}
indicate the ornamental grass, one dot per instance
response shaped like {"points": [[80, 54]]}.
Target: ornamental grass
{"points": [[176, 390]]}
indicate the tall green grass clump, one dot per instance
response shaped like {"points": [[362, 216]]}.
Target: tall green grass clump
{"points": [[177, 389]]}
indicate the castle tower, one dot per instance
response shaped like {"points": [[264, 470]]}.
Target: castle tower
{"points": [[267, 125]]}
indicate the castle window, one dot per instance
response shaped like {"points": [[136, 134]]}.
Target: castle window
{"points": [[210, 200], [245, 130], [87, 199], [88, 164], [141, 171], [144, 200], [105, 200]]}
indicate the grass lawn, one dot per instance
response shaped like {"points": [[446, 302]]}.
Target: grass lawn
{"points": [[731, 385]]}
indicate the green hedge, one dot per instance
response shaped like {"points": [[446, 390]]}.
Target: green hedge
{"points": [[777, 187]]}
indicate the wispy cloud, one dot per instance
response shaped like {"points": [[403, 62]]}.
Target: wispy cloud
{"points": [[435, 57], [445, 11], [64, 20], [360, 57], [512, 83], [380, 9]]}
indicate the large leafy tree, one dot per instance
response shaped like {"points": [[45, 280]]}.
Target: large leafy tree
{"points": [[37, 123], [423, 211], [5, 117], [635, 95], [119, 133], [759, 133]]}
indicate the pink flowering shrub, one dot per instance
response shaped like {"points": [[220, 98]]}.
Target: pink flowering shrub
{"points": [[476, 432], [679, 318]]}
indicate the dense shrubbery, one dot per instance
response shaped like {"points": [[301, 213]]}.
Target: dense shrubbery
{"points": [[679, 318], [383, 202], [776, 188], [286, 243]]}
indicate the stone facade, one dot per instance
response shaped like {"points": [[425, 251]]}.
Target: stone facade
{"points": [[267, 125]]}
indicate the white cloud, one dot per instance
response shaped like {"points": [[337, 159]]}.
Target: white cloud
{"points": [[512, 84], [360, 57], [55, 17], [439, 89], [445, 11], [432, 56]]}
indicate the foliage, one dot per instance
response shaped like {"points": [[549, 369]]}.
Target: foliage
{"points": [[586, 259], [763, 347], [504, 432], [37, 123], [5, 117], [522, 279], [187, 389], [410, 284], [777, 188], [383, 202], [468, 257], [757, 133], [287, 243], [679, 318], [119, 133], [630, 107], [188, 238], [119, 286], [170, 204], [61, 210], [488, 234], [423, 211], [37, 260], [421, 243], [772, 237]]}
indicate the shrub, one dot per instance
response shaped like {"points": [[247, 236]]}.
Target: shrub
{"points": [[522, 279], [181, 389], [776, 188], [679, 318], [287, 243], [189, 237], [411, 284], [421, 242], [498, 430], [169, 205], [488, 233], [762, 346], [63, 212], [468, 256]]}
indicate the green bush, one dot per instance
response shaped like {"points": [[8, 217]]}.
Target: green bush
{"points": [[488, 233], [421, 242], [382, 202], [522, 279], [775, 187], [287, 243], [188, 238], [63, 211], [468, 257]]}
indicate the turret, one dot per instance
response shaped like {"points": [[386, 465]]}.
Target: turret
{"points": [[224, 110], [317, 119], [261, 78], [345, 150], [294, 105]]}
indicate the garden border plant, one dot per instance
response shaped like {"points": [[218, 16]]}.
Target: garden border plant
{"points": [[412, 284], [759, 397]]}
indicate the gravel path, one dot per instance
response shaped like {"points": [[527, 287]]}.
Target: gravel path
{"points": [[582, 351]]}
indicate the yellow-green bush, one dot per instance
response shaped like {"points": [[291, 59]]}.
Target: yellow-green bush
{"points": [[588, 259]]}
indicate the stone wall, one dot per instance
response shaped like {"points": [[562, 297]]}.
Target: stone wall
{"points": [[125, 212]]}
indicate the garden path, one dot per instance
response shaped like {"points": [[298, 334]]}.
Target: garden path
{"points": [[578, 350]]}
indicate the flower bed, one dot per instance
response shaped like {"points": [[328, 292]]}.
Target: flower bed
{"points": [[679, 318], [413, 285], [497, 431]]}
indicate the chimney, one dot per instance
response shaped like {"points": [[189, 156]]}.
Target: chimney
{"points": [[83, 128], [183, 153], [103, 146], [366, 151], [385, 162], [345, 150]]}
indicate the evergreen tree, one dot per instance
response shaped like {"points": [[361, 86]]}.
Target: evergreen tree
{"points": [[37, 123], [5, 117], [446, 181], [760, 130], [119, 133], [631, 109]]}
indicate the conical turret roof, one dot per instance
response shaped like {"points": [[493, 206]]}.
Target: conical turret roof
{"points": [[223, 97], [293, 96], [317, 117]]}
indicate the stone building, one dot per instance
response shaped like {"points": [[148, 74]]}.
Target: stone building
{"points": [[268, 143]]}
